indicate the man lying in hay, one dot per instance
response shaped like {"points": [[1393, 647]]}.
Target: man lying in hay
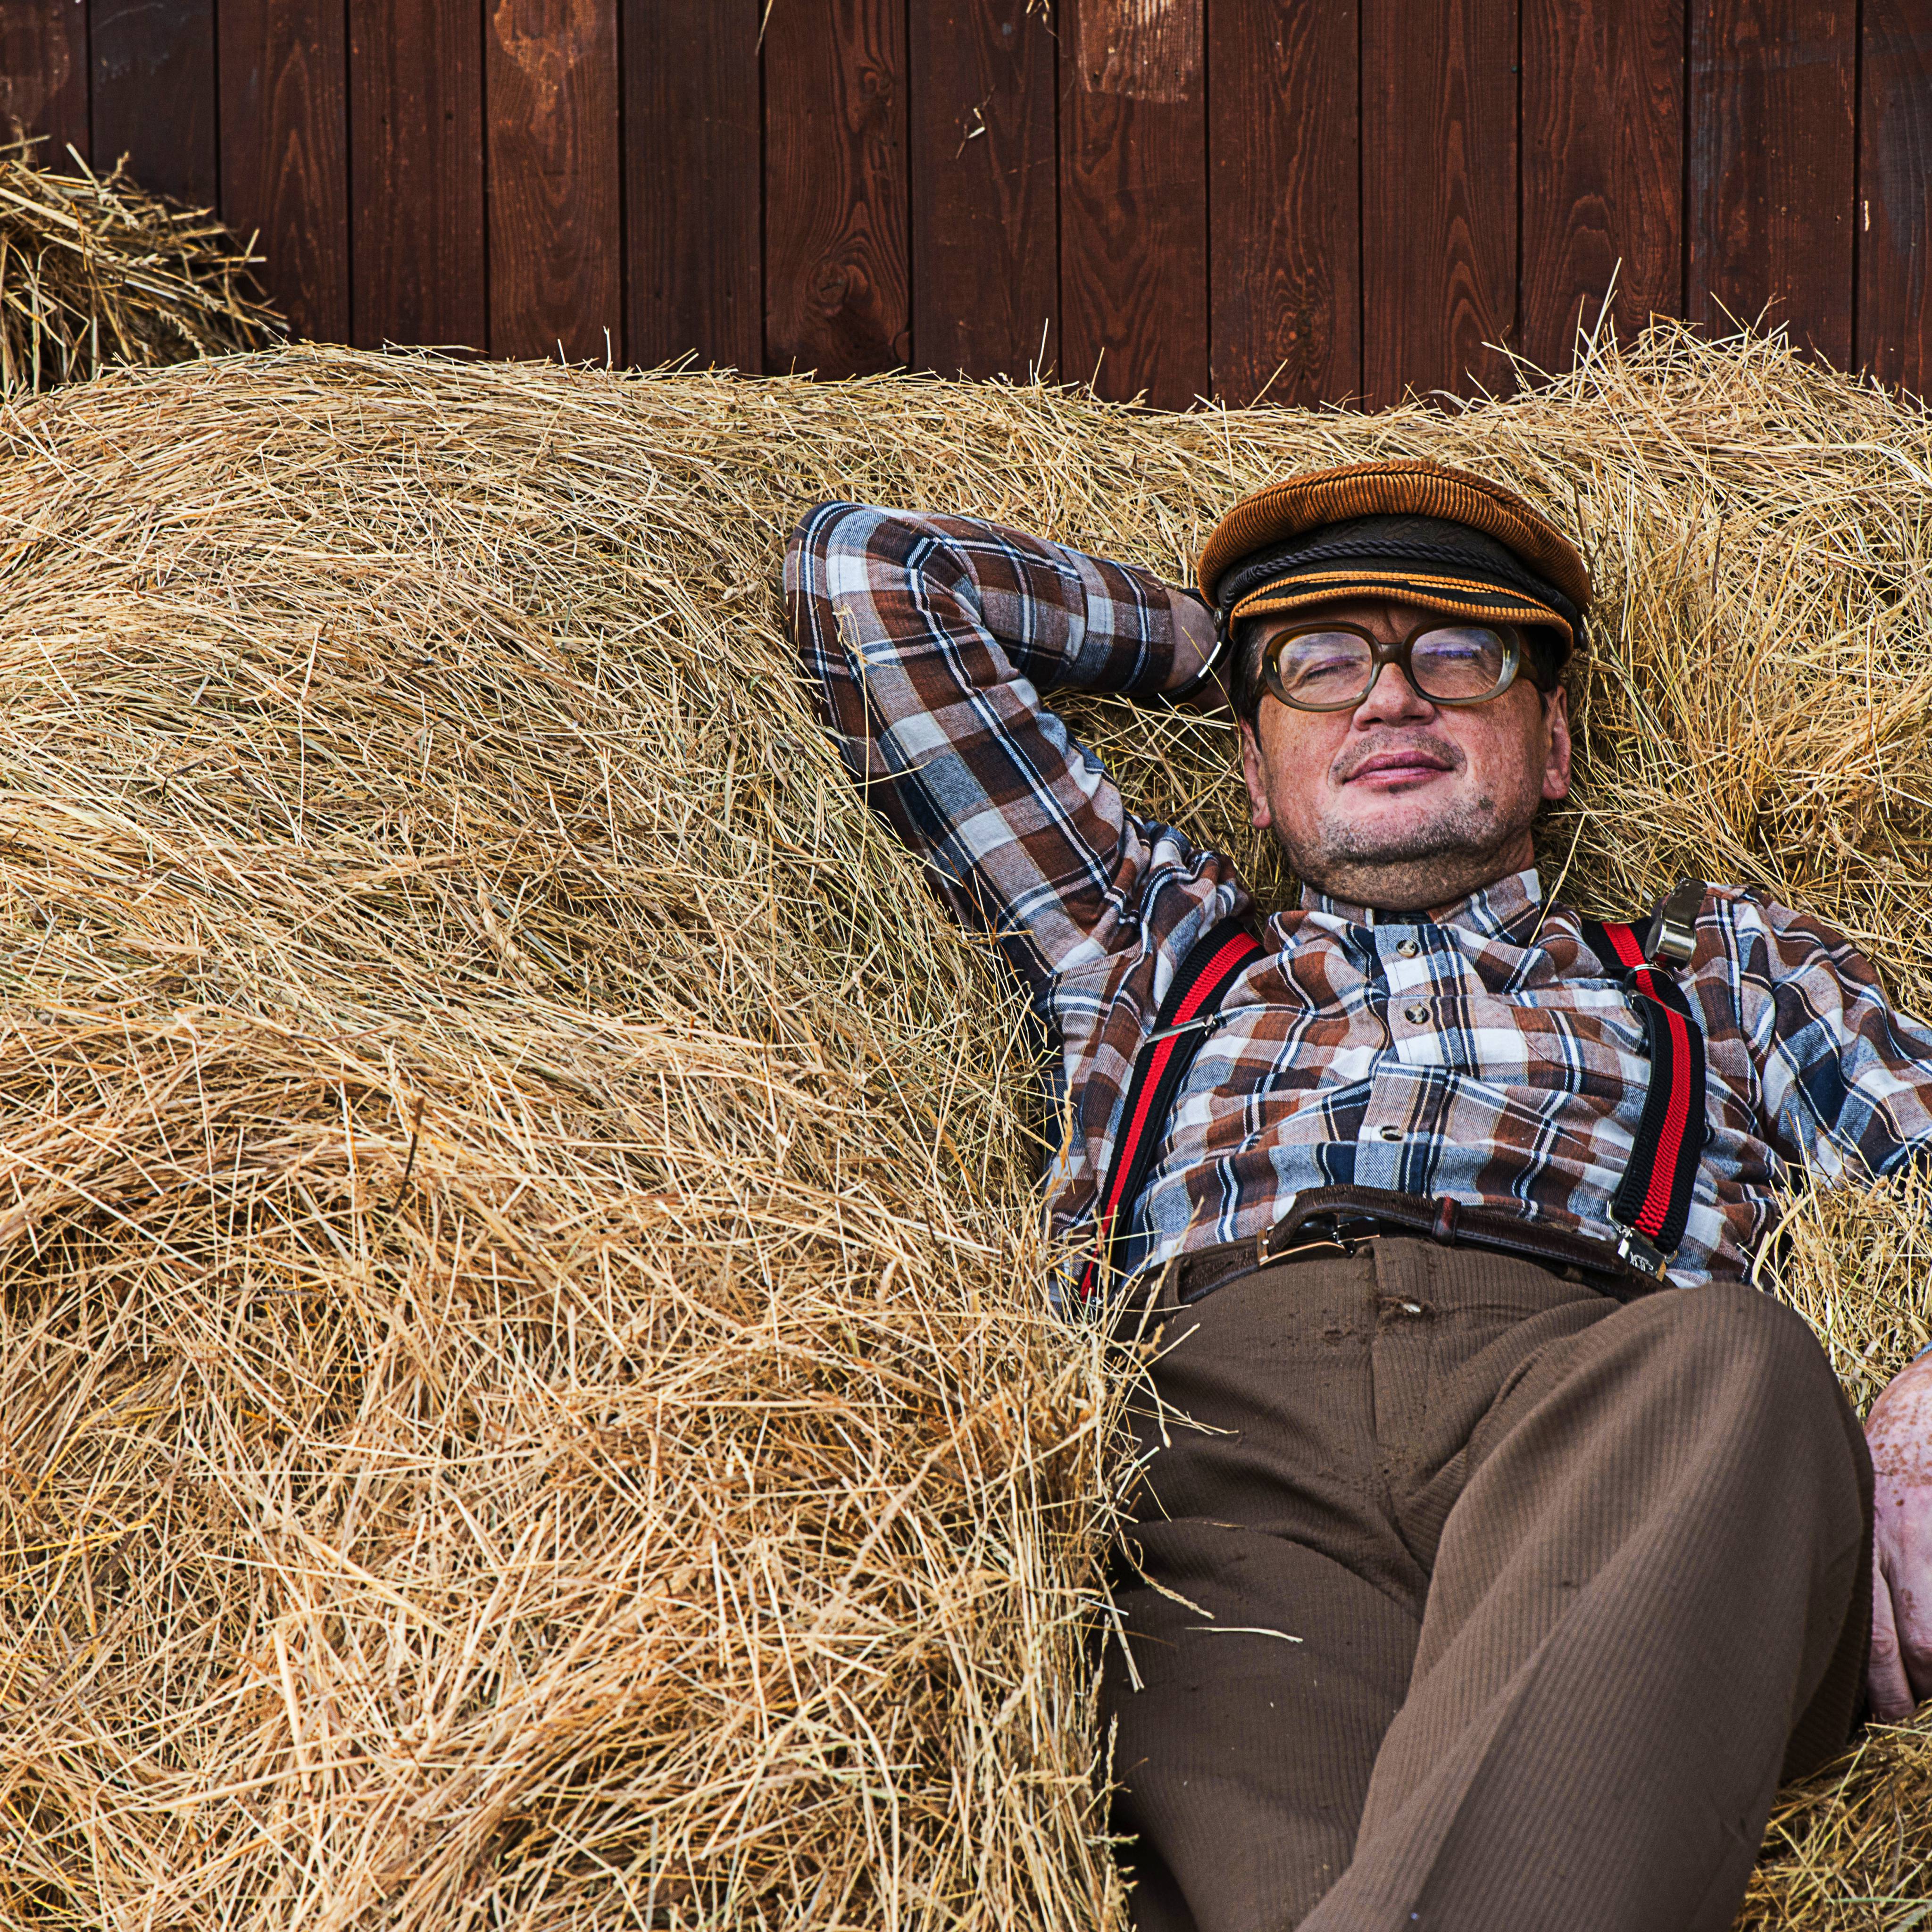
{"points": [[1477, 1578]]}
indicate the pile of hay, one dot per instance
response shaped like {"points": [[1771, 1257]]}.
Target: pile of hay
{"points": [[525, 1388], [94, 271]]}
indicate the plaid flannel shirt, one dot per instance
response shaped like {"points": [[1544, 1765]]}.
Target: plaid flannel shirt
{"points": [[1487, 1054]]}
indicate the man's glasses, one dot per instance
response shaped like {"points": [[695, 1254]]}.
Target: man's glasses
{"points": [[1333, 666]]}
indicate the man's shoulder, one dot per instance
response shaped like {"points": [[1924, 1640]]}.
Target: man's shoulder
{"points": [[1750, 936], [1740, 927], [1724, 902], [1751, 907]]}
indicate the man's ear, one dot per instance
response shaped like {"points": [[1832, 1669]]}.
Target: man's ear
{"points": [[1556, 766], [1254, 774]]}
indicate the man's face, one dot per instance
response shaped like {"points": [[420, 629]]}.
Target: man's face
{"points": [[1401, 803]]}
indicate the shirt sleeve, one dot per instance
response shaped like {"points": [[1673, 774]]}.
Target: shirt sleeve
{"points": [[1846, 1079], [930, 641]]}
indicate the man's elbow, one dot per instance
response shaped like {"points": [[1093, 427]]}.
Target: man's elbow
{"points": [[808, 552], [812, 541]]}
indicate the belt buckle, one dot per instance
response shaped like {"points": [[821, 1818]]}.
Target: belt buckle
{"points": [[1351, 1233], [1328, 1231]]}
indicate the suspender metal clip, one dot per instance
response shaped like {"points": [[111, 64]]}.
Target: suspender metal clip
{"points": [[1204, 1026], [1641, 1253], [1672, 938]]}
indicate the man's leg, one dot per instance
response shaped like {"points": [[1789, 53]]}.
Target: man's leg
{"points": [[1650, 1579], [1274, 1636]]}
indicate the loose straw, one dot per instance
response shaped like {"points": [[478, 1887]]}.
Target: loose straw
{"points": [[95, 271]]}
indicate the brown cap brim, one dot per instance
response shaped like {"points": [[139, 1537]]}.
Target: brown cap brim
{"points": [[1456, 597]]}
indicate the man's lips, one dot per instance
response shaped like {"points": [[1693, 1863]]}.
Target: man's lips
{"points": [[1395, 768]]}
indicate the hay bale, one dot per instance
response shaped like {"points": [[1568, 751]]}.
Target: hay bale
{"points": [[93, 270], [525, 1388]]}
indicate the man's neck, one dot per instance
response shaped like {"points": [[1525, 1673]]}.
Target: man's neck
{"points": [[1494, 907], [1425, 887]]}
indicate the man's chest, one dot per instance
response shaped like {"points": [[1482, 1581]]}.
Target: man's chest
{"points": [[1326, 1017]]}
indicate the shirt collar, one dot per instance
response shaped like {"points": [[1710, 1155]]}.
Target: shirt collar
{"points": [[1492, 913]]}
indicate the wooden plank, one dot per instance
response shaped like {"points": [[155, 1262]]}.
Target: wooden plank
{"points": [[695, 268], [836, 199], [1133, 198], [43, 76], [556, 238], [416, 172], [285, 158], [1895, 221], [1771, 181], [1602, 168], [154, 93], [1285, 148], [1439, 195], [985, 208]]}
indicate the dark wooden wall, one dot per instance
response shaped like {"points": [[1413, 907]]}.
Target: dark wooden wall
{"points": [[1318, 199]]}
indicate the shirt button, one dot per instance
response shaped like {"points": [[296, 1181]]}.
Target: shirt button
{"points": [[1390, 1133], [1415, 1015], [1407, 948]]}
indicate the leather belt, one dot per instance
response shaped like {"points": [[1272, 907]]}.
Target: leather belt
{"points": [[1326, 1221]]}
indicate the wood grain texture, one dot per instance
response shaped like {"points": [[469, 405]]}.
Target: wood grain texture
{"points": [[1772, 188], [416, 172], [556, 240], [985, 196], [43, 76], [1894, 219], [1165, 186], [837, 297], [695, 268], [285, 152], [1133, 198], [1286, 153], [153, 99], [1438, 194], [1602, 168]]}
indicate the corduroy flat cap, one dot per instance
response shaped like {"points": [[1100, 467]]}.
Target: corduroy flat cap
{"points": [[1418, 531]]}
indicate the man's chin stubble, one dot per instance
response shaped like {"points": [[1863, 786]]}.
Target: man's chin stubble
{"points": [[1469, 831], [1429, 863]]}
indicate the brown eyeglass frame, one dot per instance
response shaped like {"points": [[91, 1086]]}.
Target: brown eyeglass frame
{"points": [[1398, 654]]}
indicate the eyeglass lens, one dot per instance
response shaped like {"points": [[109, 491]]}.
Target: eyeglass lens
{"points": [[1459, 661]]}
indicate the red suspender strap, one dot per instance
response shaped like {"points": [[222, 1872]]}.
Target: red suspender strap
{"points": [[1185, 1018], [1653, 1202]]}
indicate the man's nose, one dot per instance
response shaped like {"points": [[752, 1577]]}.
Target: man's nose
{"points": [[1393, 701]]}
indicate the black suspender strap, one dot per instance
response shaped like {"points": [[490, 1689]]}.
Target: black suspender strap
{"points": [[1653, 1202], [1186, 1016]]}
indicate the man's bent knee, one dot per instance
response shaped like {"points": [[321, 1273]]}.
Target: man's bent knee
{"points": [[1730, 1332]]}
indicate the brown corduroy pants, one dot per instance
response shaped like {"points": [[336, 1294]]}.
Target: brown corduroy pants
{"points": [[1462, 1597]]}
